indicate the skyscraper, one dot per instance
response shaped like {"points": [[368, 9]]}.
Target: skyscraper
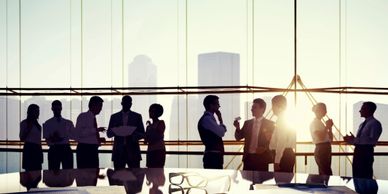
{"points": [[142, 72], [222, 69]]}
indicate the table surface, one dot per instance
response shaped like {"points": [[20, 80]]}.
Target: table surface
{"points": [[182, 180]]}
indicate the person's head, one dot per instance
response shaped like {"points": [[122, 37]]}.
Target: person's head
{"points": [[33, 112], [367, 109], [95, 104], [319, 110], [279, 104], [155, 111], [258, 107], [211, 103], [56, 107], [126, 103]]}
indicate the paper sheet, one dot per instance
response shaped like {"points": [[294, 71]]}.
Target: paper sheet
{"points": [[123, 130]]}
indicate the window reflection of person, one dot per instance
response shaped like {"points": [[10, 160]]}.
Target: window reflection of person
{"points": [[31, 135], [211, 133], [30, 179], [87, 135], [126, 149], [322, 136], [257, 133], [283, 140], [57, 131], [131, 179], [366, 139], [156, 150], [155, 179]]}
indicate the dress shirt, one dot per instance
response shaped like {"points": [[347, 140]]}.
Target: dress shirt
{"points": [[85, 131], [317, 125], [125, 117], [33, 135], [60, 126], [370, 133], [255, 134], [209, 122], [282, 138]]}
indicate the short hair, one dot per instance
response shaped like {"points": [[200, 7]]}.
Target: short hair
{"points": [[209, 99], [371, 106], [95, 100], [260, 102], [126, 98], [279, 100], [56, 103], [318, 106], [158, 109]]}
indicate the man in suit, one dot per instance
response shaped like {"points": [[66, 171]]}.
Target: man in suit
{"points": [[257, 133], [211, 133], [366, 139], [126, 149]]}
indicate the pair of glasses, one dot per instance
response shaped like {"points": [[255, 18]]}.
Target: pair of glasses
{"points": [[193, 179], [176, 189], [196, 181]]}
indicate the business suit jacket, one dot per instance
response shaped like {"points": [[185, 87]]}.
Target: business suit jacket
{"points": [[128, 146], [263, 139]]}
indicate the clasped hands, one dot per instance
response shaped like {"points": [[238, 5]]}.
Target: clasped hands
{"points": [[349, 138]]}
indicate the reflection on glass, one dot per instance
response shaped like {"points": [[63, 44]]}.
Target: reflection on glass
{"points": [[195, 181], [367, 186], [132, 179], [314, 179], [156, 178], [30, 179], [178, 189], [58, 178]]}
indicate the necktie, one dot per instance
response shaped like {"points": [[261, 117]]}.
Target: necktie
{"points": [[361, 128]]}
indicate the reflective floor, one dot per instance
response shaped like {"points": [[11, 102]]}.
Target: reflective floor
{"points": [[181, 181]]}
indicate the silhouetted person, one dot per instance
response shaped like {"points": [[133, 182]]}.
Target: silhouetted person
{"points": [[156, 151], [126, 149], [322, 136], [57, 132], [211, 133], [30, 179], [257, 133], [366, 139], [31, 135], [87, 135], [283, 140]]}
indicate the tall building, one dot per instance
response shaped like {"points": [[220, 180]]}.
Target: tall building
{"points": [[142, 72], [222, 69]]}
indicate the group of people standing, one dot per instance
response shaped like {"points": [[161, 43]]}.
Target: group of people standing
{"points": [[275, 142], [57, 132], [265, 142]]}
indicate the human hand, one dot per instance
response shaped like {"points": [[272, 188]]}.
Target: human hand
{"points": [[329, 123], [148, 123], [218, 113], [236, 124], [101, 129]]}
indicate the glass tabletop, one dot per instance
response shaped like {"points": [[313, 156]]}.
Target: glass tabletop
{"points": [[182, 181]]}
